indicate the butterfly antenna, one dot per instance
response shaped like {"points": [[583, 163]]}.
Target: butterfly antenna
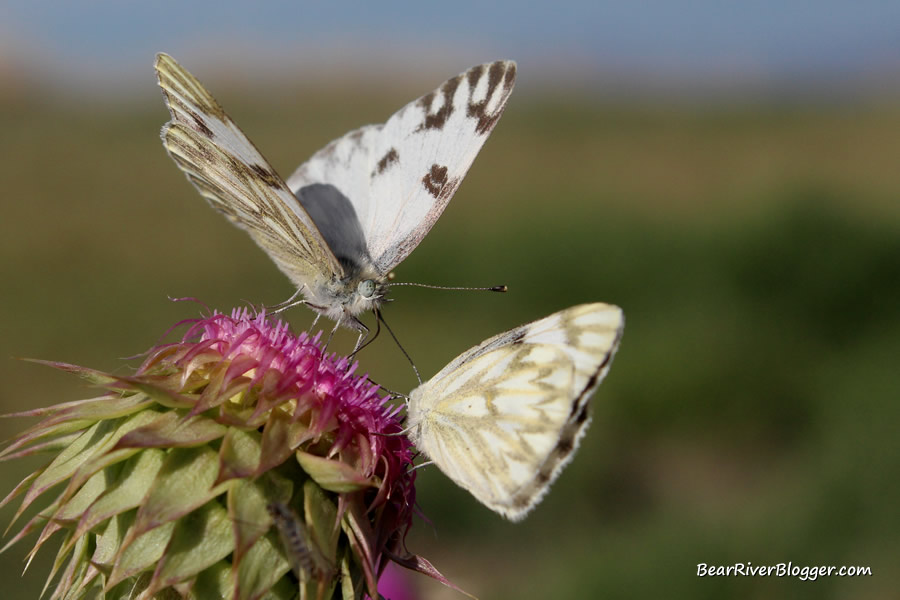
{"points": [[380, 317], [391, 393], [495, 288]]}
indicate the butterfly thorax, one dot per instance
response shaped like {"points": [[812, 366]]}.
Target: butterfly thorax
{"points": [[363, 290]]}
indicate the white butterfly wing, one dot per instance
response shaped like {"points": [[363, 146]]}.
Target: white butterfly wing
{"points": [[399, 176], [502, 419], [236, 180]]}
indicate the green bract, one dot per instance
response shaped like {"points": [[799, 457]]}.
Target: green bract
{"points": [[164, 486]]}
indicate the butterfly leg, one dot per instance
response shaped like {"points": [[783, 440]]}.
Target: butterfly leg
{"points": [[292, 302], [330, 335], [319, 311], [353, 323]]}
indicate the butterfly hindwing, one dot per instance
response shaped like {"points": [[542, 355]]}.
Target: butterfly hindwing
{"points": [[503, 418], [233, 176], [399, 176]]}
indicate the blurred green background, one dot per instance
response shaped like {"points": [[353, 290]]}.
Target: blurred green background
{"points": [[751, 414]]}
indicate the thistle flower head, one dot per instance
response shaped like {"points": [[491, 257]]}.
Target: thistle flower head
{"points": [[239, 462]]}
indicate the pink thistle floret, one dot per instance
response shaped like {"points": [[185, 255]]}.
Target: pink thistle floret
{"points": [[262, 361], [250, 348]]}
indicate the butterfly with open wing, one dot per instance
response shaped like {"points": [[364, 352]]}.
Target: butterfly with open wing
{"points": [[350, 214]]}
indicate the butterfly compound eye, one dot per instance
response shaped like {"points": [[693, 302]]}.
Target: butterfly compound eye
{"points": [[366, 288]]}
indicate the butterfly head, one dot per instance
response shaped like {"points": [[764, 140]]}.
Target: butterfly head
{"points": [[368, 295], [363, 291], [366, 288]]}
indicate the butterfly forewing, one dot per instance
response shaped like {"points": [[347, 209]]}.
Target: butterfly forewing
{"points": [[399, 176], [502, 419], [237, 181]]}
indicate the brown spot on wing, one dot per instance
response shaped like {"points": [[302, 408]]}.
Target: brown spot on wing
{"points": [[565, 446], [583, 415], [497, 73], [438, 119], [386, 161], [474, 75], [435, 180]]}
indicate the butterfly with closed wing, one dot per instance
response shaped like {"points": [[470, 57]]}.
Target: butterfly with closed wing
{"points": [[502, 419]]}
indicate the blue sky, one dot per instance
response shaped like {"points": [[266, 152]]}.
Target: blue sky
{"points": [[107, 44]]}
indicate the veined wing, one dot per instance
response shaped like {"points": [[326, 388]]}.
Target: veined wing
{"points": [[236, 180], [502, 419], [399, 176], [588, 334]]}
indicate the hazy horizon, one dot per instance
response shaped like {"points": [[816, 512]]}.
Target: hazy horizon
{"points": [[701, 48]]}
